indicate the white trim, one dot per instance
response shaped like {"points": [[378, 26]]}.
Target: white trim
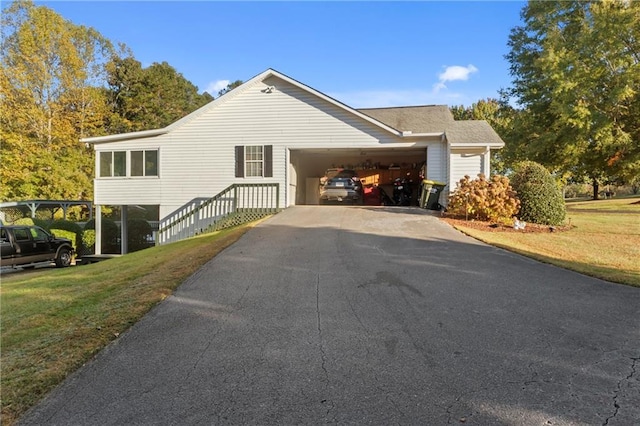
{"points": [[125, 136], [422, 135], [476, 145], [287, 176]]}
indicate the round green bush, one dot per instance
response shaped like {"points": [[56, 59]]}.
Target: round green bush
{"points": [[137, 232], [540, 197]]}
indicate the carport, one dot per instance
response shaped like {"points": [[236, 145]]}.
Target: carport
{"points": [[375, 166]]}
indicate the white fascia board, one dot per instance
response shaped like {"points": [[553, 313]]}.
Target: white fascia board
{"points": [[477, 145], [125, 136], [423, 135]]}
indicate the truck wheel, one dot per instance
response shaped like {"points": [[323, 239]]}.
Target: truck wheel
{"points": [[64, 258]]}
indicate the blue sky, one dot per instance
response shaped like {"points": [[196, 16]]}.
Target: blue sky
{"points": [[365, 54]]}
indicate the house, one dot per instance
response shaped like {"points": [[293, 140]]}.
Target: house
{"points": [[274, 129]]}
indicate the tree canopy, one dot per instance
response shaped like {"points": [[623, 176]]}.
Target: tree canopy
{"points": [[576, 76], [48, 70], [60, 82], [148, 98]]}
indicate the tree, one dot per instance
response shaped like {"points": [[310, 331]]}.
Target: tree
{"points": [[501, 116], [148, 98], [230, 87], [48, 71], [576, 70]]}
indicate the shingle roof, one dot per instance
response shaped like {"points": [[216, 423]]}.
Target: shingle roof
{"points": [[435, 119], [472, 131], [417, 119]]}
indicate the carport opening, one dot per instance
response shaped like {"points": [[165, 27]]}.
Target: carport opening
{"points": [[374, 167]]}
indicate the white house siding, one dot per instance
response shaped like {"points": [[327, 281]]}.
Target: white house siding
{"points": [[436, 162], [197, 159], [130, 190], [465, 162]]}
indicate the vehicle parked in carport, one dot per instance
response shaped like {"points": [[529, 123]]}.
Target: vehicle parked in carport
{"points": [[27, 245], [341, 185]]}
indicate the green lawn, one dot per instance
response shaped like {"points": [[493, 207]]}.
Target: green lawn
{"points": [[54, 320], [603, 242]]}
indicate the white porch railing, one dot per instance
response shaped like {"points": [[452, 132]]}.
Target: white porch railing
{"points": [[237, 204]]}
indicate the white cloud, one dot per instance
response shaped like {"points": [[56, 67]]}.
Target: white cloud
{"points": [[215, 86], [453, 73], [419, 96]]}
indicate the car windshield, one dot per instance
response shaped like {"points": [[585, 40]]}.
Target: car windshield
{"points": [[340, 173]]}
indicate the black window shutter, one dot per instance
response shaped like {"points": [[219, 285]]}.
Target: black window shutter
{"points": [[239, 161], [268, 161]]}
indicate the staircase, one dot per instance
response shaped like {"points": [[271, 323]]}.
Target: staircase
{"points": [[237, 204]]}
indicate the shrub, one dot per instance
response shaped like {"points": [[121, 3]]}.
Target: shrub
{"points": [[27, 221], [493, 200], [88, 241], [137, 232], [70, 230], [540, 197], [110, 236]]}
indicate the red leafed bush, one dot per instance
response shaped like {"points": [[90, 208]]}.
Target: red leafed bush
{"points": [[482, 199]]}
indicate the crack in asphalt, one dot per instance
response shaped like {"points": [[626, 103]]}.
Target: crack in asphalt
{"points": [[618, 389], [323, 354]]}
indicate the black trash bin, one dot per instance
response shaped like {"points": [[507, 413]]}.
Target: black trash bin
{"points": [[431, 193]]}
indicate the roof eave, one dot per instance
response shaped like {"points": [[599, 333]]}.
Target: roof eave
{"points": [[422, 135], [476, 144], [125, 136]]}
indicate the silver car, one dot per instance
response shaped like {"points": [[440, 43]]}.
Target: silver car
{"points": [[342, 186]]}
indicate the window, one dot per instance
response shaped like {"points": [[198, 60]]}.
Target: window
{"points": [[21, 234], [113, 163], [137, 163], [39, 234], [144, 163], [254, 161]]}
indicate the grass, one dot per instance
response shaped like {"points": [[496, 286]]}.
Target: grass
{"points": [[53, 321], [603, 242]]}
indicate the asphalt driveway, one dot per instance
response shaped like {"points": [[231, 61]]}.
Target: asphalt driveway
{"points": [[368, 316]]}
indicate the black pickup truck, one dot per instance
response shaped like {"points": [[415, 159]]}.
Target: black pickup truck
{"points": [[26, 245]]}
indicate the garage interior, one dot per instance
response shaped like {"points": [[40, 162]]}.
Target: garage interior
{"points": [[379, 166]]}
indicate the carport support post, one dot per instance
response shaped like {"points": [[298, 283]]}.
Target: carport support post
{"points": [[124, 218], [98, 229]]}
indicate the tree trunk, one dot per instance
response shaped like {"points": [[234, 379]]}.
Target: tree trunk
{"points": [[596, 189]]}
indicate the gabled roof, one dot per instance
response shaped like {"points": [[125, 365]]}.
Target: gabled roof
{"points": [[472, 132], [415, 119], [403, 122]]}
